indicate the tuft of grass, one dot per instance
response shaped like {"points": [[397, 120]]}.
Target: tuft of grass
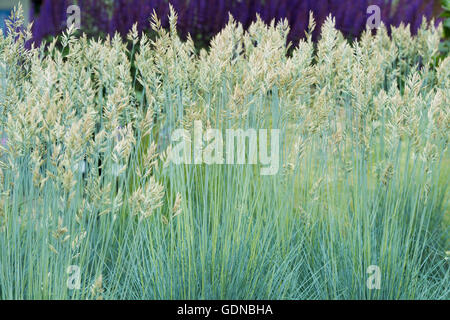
{"points": [[87, 180]]}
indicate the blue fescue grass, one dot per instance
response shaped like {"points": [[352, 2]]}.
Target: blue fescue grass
{"points": [[353, 194]]}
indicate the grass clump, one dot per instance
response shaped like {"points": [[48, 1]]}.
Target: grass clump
{"points": [[87, 178]]}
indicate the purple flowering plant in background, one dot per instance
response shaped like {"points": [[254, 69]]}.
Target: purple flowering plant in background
{"points": [[204, 18]]}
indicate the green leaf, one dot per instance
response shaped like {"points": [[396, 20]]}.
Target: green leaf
{"points": [[446, 23]]}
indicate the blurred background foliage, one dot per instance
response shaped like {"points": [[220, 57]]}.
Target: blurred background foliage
{"points": [[445, 45], [202, 19]]}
